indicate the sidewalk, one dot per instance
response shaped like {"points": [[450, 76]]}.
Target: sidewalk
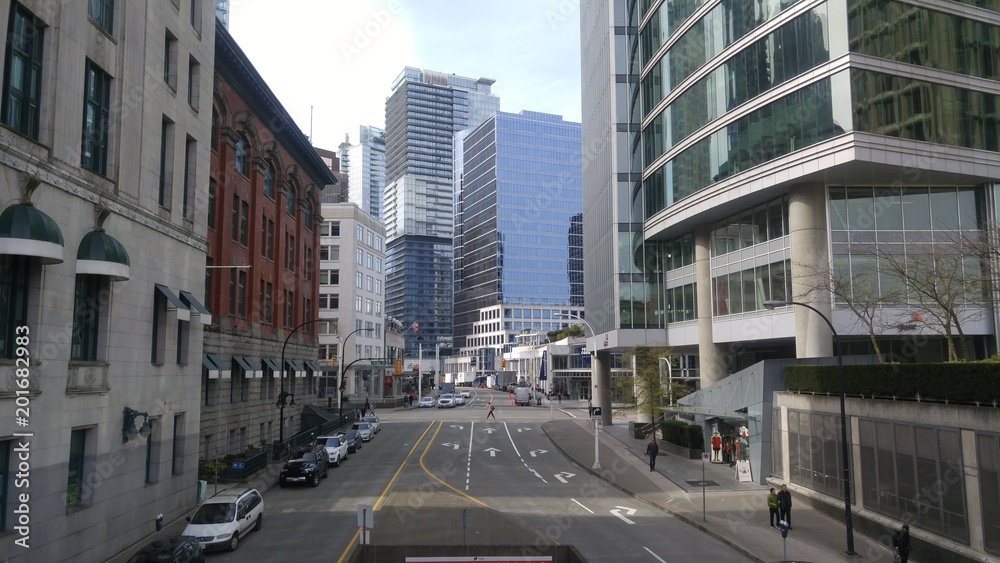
{"points": [[734, 513]]}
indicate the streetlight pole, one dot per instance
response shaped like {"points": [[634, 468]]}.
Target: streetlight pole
{"points": [[282, 396], [594, 336], [343, 367], [770, 305]]}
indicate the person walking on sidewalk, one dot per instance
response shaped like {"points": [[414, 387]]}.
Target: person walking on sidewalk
{"points": [[901, 543], [489, 411], [785, 505], [652, 450], [772, 507]]}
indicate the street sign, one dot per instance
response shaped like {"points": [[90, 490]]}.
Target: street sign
{"points": [[705, 457], [378, 362]]}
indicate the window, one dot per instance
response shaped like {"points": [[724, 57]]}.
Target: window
{"points": [[359, 257], [378, 308], [330, 229], [22, 81], [309, 263], [378, 265], [177, 453], [329, 277], [242, 158], [215, 130], [267, 305], [14, 287], [378, 287], [194, 82], [359, 303], [87, 317], [236, 218], [329, 301], [368, 305], [232, 291], [369, 283], [369, 260], [359, 280], [329, 252], [170, 60], [244, 222], [241, 294], [152, 460], [267, 234], [101, 12], [289, 308], [96, 107], [190, 156], [268, 183], [289, 252], [369, 237], [196, 15], [211, 203], [290, 201], [165, 193], [309, 216], [359, 233], [77, 457]]}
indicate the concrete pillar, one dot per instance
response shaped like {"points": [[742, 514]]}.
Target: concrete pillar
{"points": [[810, 257], [711, 362], [601, 369]]}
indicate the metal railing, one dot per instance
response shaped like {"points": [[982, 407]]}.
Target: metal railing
{"points": [[282, 450]]}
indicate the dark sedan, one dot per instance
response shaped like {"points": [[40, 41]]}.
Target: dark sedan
{"points": [[353, 439]]}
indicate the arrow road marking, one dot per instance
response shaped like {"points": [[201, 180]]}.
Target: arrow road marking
{"points": [[535, 452], [459, 426], [617, 512], [565, 474], [449, 444], [493, 451], [522, 429], [489, 430]]}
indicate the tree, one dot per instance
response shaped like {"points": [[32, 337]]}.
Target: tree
{"points": [[649, 391], [559, 334]]}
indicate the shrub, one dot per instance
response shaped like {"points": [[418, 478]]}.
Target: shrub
{"points": [[960, 382], [682, 434]]}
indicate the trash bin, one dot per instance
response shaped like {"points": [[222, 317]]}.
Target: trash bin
{"points": [[539, 401]]}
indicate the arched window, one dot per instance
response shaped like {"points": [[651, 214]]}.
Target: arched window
{"points": [[215, 129], [269, 180], [243, 156], [309, 215], [290, 201]]}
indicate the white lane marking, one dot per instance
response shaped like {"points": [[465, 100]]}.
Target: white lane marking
{"points": [[581, 506], [468, 462], [658, 558], [534, 453], [511, 438], [450, 445], [564, 474], [617, 512]]}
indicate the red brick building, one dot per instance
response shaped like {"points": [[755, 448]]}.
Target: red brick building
{"points": [[262, 277]]}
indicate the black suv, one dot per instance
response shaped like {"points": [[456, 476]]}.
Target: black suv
{"points": [[353, 439], [307, 464]]}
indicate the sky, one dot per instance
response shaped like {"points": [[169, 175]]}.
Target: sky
{"points": [[332, 62]]}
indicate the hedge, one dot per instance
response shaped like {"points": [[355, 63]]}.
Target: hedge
{"points": [[970, 383], [682, 434]]}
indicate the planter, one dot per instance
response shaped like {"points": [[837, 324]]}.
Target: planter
{"points": [[686, 453]]}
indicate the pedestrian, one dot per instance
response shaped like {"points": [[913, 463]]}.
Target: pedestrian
{"points": [[901, 543], [772, 507], [785, 506], [489, 411], [652, 450], [368, 408], [590, 408], [411, 400]]}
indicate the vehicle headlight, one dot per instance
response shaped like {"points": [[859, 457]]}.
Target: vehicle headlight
{"points": [[224, 536]]}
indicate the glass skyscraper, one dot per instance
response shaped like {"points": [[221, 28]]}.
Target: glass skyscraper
{"points": [[518, 231], [423, 113], [364, 164]]}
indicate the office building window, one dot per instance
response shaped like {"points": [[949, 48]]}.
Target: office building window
{"points": [[22, 80], [308, 216], [96, 108], [14, 291], [211, 203], [236, 218], [268, 180], [177, 452], [76, 470], [165, 193], [170, 60], [244, 223], [190, 154], [241, 293], [232, 291], [87, 314], [196, 15], [215, 130], [194, 82], [290, 201], [242, 157], [329, 277], [329, 301], [101, 12], [290, 252]]}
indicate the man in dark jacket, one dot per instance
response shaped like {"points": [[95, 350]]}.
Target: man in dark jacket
{"points": [[901, 543], [785, 505], [652, 450]]}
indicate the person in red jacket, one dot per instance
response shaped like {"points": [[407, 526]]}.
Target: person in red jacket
{"points": [[716, 446]]}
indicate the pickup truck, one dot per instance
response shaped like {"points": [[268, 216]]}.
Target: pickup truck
{"points": [[522, 396]]}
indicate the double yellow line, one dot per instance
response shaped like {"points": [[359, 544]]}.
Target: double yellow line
{"points": [[388, 486]]}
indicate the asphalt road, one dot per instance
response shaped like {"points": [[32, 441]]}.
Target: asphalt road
{"points": [[448, 477]]}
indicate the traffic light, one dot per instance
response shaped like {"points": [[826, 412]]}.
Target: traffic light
{"points": [[398, 366], [503, 363]]}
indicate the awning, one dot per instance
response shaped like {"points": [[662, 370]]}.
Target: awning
{"points": [[241, 361], [220, 363], [273, 364], [26, 231], [192, 302], [102, 254], [311, 364], [207, 363], [216, 366], [249, 366], [294, 365], [716, 412], [173, 301]]}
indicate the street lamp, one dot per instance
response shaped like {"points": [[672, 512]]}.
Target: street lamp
{"points": [[770, 305], [282, 396], [597, 425], [343, 367]]}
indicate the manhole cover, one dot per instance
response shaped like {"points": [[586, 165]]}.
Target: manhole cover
{"points": [[701, 483]]}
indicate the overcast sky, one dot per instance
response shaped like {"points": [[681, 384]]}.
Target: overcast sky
{"points": [[339, 57]]}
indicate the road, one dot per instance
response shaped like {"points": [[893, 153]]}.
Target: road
{"points": [[448, 477]]}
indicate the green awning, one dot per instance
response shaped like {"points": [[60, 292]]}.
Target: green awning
{"points": [[102, 254], [26, 231]]}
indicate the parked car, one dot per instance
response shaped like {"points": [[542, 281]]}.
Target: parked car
{"points": [[309, 465], [176, 549], [458, 399], [336, 448], [364, 429], [221, 521], [426, 401], [353, 439], [446, 401], [375, 422]]}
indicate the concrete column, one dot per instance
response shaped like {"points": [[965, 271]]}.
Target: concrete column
{"points": [[810, 257], [973, 502], [712, 363], [601, 366]]}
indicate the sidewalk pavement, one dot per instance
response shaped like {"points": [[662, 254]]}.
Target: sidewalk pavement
{"points": [[734, 513]]}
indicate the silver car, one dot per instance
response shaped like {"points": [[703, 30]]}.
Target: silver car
{"points": [[446, 401], [364, 429]]}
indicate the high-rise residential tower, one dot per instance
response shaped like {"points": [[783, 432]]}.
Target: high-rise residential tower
{"points": [[518, 232], [364, 164], [422, 114]]}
